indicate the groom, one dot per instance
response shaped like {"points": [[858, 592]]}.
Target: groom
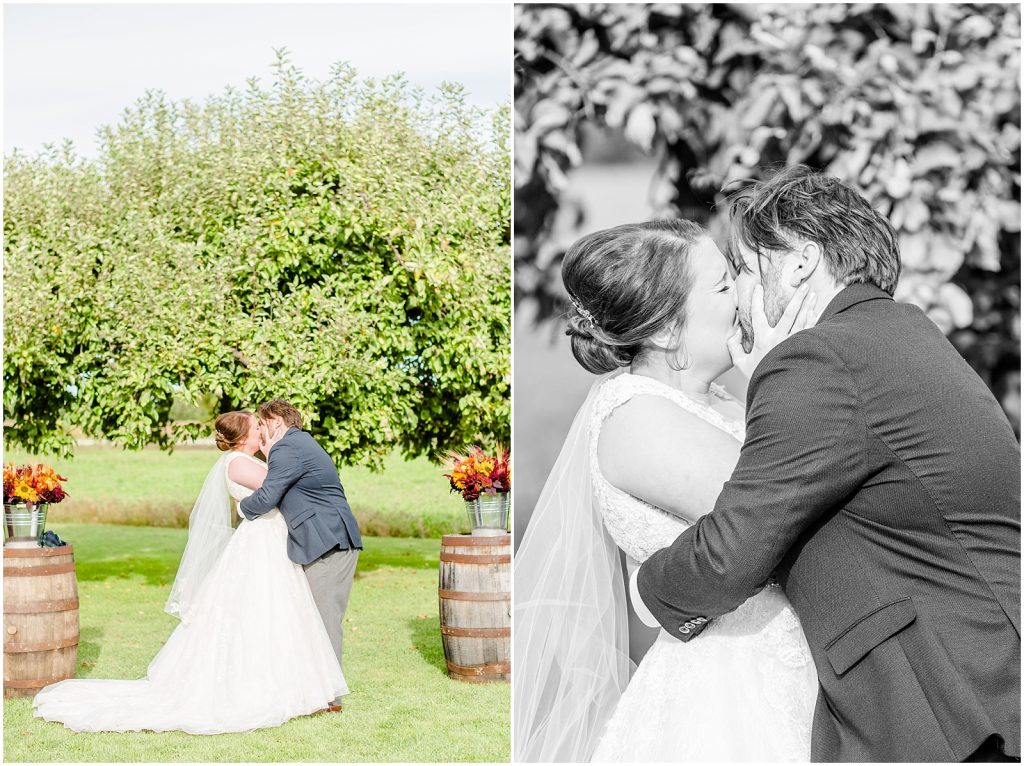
{"points": [[323, 535], [879, 482]]}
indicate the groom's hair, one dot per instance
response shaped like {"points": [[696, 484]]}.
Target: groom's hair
{"points": [[858, 243], [279, 408]]}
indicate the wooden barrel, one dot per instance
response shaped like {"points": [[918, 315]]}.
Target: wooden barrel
{"points": [[40, 619], [475, 604]]}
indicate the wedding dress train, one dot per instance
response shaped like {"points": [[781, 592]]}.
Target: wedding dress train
{"points": [[252, 653]]}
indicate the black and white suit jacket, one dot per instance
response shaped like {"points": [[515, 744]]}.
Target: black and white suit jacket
{"points": [[880, 482]]}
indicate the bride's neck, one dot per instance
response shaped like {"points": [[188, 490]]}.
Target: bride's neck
{"points": [[694, 382]]}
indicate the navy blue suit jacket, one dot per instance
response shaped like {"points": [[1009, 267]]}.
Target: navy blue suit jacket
{"points": [[303, 483]]}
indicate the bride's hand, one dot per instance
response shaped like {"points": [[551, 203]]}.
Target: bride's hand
{"points": [[797, 316]]}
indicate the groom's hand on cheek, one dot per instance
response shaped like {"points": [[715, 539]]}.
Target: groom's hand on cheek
{"points": [[272, 436], [265, 438]]}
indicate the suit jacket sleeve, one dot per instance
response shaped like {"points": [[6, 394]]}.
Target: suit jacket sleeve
{"points": [[802, 458], [283, 469]]}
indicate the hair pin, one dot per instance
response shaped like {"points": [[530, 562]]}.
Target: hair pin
{"points": [[582, 311]]}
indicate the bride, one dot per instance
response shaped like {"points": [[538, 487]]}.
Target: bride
{"points": [[251, 650], [654, 305]]}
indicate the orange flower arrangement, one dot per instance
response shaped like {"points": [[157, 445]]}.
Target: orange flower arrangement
{"points": [[478, 473], [32, 484]]}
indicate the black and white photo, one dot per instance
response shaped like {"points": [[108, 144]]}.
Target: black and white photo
{"points": [[767, 370]]}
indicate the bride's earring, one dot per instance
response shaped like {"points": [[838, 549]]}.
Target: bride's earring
{"points": [[677, 357]]}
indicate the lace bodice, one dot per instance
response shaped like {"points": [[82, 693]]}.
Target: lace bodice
{"points": [[637, 527]]}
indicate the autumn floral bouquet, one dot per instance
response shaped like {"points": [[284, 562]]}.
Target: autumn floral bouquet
{"points": [[484, 481], [478, 473], [32, 484]]}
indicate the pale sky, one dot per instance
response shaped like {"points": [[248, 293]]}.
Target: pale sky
{"points": [[68, 69]]}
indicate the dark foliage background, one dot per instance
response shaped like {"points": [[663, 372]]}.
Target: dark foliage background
{"points": [[918, 106]]}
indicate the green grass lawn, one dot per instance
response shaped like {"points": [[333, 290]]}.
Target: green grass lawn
{"points": [[402, 706], [154, 488]]}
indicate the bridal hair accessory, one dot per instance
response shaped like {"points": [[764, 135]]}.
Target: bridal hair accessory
{"points": [[582, 311]]}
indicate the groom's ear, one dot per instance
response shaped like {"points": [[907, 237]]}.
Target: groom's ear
{"points": [[803, 263]]}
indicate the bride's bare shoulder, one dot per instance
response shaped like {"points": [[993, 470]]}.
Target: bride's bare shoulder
{"points": [[648, 419], [654, 449], [248, 472]]}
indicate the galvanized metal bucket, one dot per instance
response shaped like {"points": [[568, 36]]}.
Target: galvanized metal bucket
{"points": [[488, 514], [24, 524]]}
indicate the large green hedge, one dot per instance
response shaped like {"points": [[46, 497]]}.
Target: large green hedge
{"points": [[341, 243], [918, 106]]}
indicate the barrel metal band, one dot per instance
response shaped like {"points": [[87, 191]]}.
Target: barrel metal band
{"points": [[468, 558], [447, 630], [39, 571], [465, 541], [480, 670], [477, 679], [35, 683], [465, 595], [17, 553], [42, 606], [44, 646]]}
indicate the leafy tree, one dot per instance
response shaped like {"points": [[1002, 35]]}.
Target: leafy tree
{"points": [[340, 243], [918, 106]]}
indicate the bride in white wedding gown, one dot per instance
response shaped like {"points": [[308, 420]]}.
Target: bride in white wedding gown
{"points": [[251, 650], [653, 304]]}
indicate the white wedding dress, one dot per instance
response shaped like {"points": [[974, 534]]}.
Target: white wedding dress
{"points": [[253, 653], [745, 688]]}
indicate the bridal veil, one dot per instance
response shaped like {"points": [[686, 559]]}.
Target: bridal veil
{"points": [[570, 635], [209, 529]]}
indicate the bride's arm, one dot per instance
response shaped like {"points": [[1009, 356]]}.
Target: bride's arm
{"points": [[248, 473], [808, 450], [654, 450]]}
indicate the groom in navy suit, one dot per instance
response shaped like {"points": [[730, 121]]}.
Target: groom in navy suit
{"points": [[323, 536], [879, 482]]}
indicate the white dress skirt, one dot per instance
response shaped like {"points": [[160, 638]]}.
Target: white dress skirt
{"points": [[253, 654]]}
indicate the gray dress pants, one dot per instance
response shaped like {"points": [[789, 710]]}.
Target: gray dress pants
{"points": [[330, 580]]}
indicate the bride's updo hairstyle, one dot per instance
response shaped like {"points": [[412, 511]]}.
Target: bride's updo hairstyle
{"points": [[625, 284], [231, 429]]}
